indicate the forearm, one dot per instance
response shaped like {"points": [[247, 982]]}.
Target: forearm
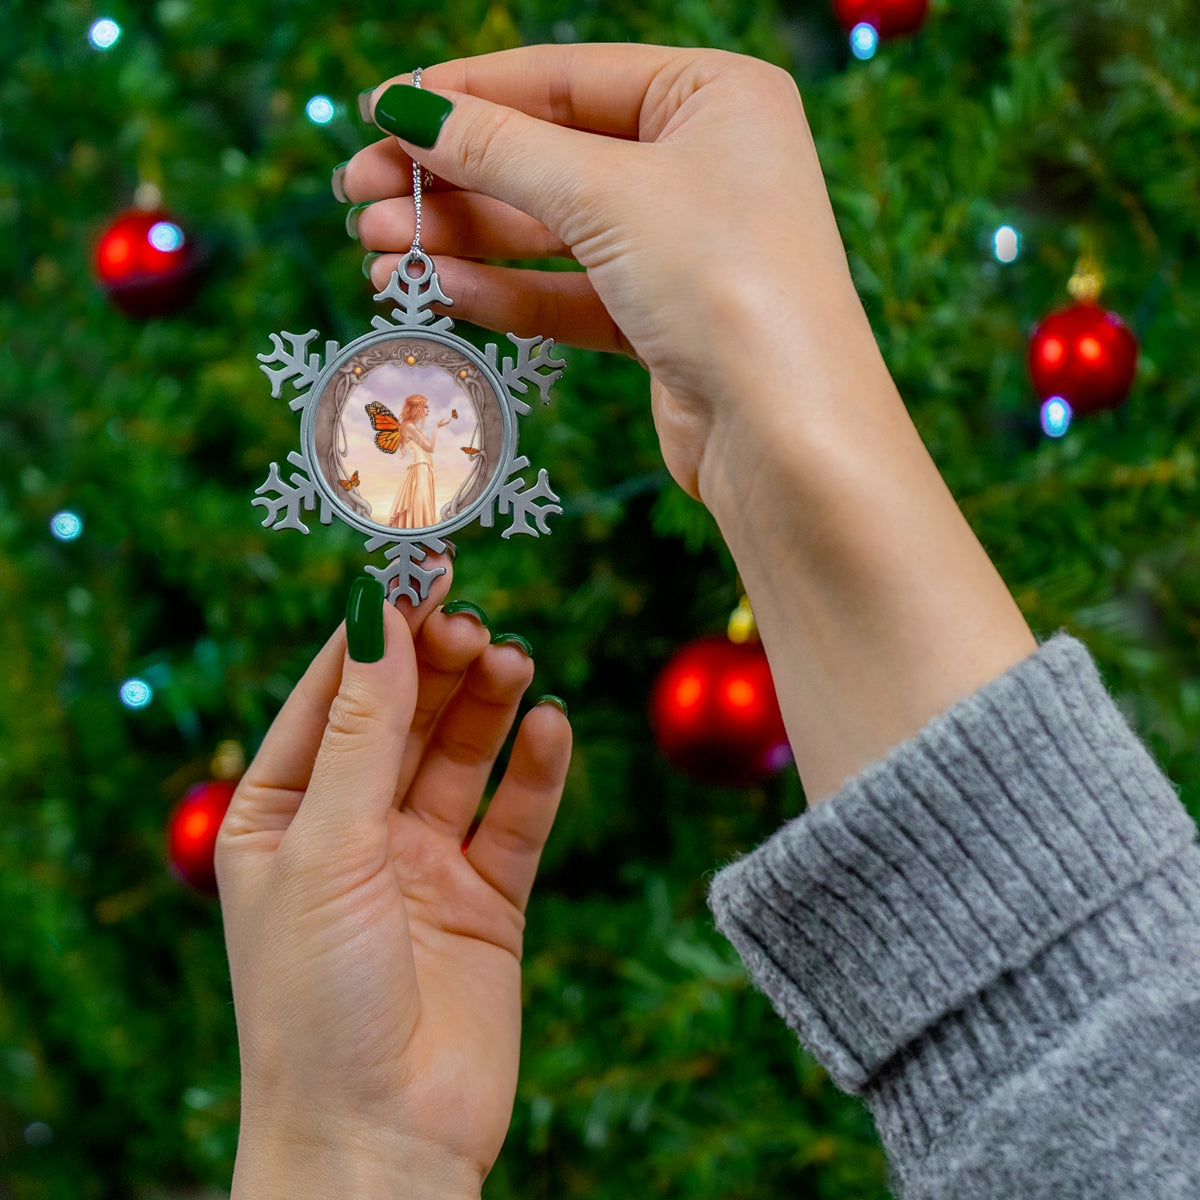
{"points": [[877, 605]]}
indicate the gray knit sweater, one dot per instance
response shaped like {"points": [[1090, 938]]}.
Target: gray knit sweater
{"points": [[993, 935]]}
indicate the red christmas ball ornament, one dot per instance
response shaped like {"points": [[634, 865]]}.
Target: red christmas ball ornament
{"points": [[1084, 354], [146, 263], [715, 714], [192, 832], [889, 18]]}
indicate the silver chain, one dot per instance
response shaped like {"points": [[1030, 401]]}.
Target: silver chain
{"points": [[417, 171]]}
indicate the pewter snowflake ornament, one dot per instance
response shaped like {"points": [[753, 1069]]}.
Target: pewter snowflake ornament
{"points": [[409, 432]]}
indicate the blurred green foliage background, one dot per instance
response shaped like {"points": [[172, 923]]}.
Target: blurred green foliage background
{"points": [[651, 1067]]}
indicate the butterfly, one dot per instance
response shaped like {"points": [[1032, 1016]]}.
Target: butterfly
{"points": [[470, 451], [352, 482], [387, 428]]}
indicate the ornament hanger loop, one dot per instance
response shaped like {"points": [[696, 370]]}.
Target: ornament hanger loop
{"points": [[417, 170]]}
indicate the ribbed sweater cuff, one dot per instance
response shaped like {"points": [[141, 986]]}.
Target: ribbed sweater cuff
{"points": [[1011, 819]]}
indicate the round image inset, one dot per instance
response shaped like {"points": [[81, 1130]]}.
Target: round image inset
{"points": [[408, 433]]}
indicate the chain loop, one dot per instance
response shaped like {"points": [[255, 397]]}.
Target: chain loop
{"points": [[416, 249]]}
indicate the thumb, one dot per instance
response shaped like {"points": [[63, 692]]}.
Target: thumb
{"points": [[354, 776]]}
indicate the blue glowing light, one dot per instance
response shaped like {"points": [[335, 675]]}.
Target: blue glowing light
{"points": [[320, 110], [66, 525], [136, 693], [864, 40], [104, 33], [1006, 244], [165, 236], [1056, 417]]}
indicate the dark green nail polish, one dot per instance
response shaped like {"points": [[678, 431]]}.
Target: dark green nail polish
{"points": [[412, 113], [363, 104], [512, 639], [352, 218], [465, 606], [364, 620], [368, 259], [451, 550], [337, 182], [557, 701]]}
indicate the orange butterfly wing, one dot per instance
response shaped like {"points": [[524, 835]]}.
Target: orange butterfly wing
{"points": [[387, 428]]}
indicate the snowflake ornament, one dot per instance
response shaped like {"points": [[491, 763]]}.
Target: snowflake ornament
{"points": [[409, 432]]}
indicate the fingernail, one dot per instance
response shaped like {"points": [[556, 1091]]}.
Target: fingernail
{"points": [[557, 701], [451, 550], [364, 620], [337, 181], [512, 639], [465, 606], [412, 113], [352, 218], [368, 259], [364, 105]]}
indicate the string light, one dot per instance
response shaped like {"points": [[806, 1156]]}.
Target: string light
{"points": [[1006, 244], [104, 33], [66, 525], [165, 236], [320, 110], [1056, 417], [864, 40], [136, 693]]}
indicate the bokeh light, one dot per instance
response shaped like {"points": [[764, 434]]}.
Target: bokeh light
{"points": [[1056, 417], [104, 33], [864, 40], [1006, 244], [136, 693], [66, 525], [320, 110], [165, 236]]}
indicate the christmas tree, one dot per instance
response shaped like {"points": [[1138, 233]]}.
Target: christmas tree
{"points": [[151, 627]]}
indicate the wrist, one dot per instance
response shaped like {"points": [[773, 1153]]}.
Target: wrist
{"points": [[274, 1163], [877, 605]]}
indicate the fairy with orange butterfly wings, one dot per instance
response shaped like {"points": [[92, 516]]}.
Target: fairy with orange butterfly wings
{"points": [[389, 429]]}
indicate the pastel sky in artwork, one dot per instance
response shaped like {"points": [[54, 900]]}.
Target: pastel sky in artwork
{"points": [[380, 474]]}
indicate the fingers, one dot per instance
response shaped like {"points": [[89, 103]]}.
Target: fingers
{"points": [[446, 647], [460, 223], [600, 88], [353, 776], [559, 304], [508, 843], [467, 739]]}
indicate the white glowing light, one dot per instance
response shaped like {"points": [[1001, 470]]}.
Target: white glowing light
{"points": [[1006, 244], [136, 693], [1056, 417], [165, 236], [864, 40], [66, 525], [319, 110], [104, 33]]}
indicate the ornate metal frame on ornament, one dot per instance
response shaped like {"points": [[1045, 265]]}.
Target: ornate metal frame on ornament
{"points": [[409, 432]]}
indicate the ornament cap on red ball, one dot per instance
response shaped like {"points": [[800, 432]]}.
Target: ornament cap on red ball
{"points": [[192, 833], [1084, 354], [889, 18], [146, 263], [715, 714]]}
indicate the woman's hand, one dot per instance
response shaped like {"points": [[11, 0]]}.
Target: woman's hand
{"points": [[375, 961], [684, 181], [687, 185]]}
